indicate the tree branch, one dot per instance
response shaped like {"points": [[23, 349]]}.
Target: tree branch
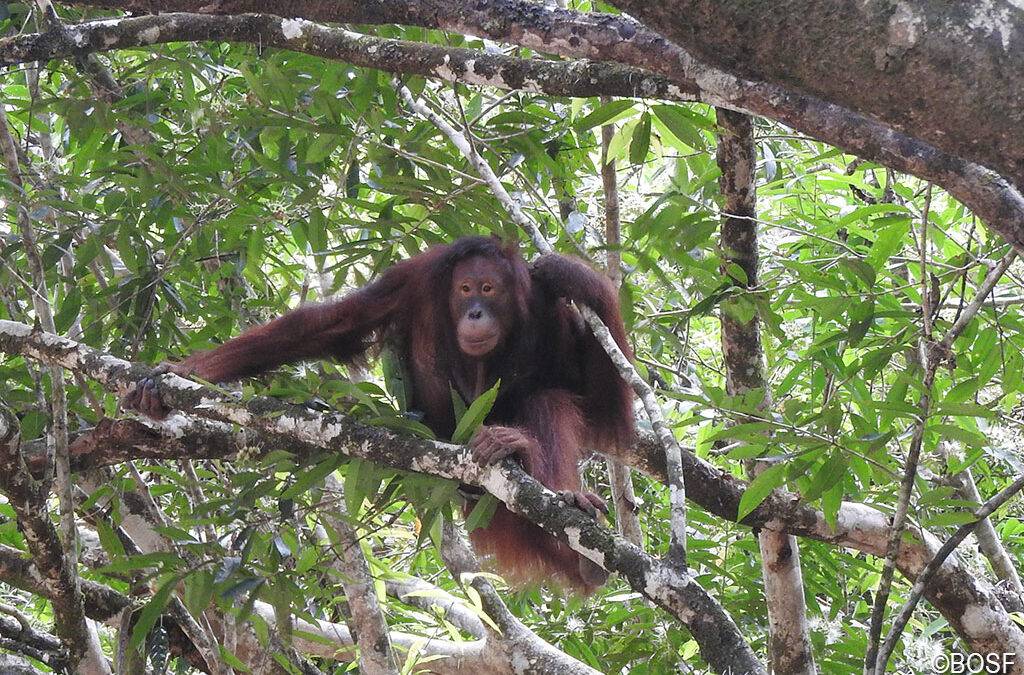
{"points": [[452, 64], [673, 452], [333, 641], [980, 514], [743, 355], [507, 636], [948, 73], [620, 476], [28, 499], [23, 639], [376, 656], [935, 354]]}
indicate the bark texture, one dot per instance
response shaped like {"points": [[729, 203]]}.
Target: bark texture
{"points": [[743, 354], [620, 476], [949, 73], [970, 605], [367, 623], [61, 583]]}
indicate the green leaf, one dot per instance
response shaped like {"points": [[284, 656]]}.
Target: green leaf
{"points": [[232, 660], [737, 273], [963, 390], [857, 330], [746, 451], [198, 591], [321, 147], [402, 424], [475, 415], [745, 431], [952, 432], [888, 242], [707, 304], [316, 233], [482, 512], [950, 519], [394, 377], [681, 124], [255, 83], [830, 473], [619, 146], [641, 141], [311, 477], [606, 113], [965, 410], [69, 309], [860, 270], [458, 405], [739, 309], [152, 611], [759, 488], [362, 481], [831, 501], [109, 540]]}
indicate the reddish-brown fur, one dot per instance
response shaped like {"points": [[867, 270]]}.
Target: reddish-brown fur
{"points": [[558, 386]]}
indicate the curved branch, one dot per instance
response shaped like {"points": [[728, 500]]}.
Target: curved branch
{"points": [[365, 617], [453, 64], [946, 72], [970, 605], [673, 452], [104, 604], [917, 591]]}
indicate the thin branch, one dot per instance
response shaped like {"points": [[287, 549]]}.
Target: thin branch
{"points": [[954, 591], [71, 624], [462, 144], [901, 620], [507, 635], [620, 476], [989, 542], [979, 299], [28, 499], [743, 356], [22, 638], [935, 354], [376, 656], [926, 291]]}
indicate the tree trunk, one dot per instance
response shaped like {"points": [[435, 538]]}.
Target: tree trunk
{"points": [[743, 353]]}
